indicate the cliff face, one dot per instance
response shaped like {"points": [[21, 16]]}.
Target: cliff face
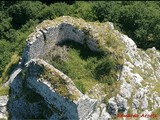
{"points": [[39, 90]]}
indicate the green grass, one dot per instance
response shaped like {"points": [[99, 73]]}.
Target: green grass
{"points": [[154, 83], [85, 67], [106, 38], [9, 68], [157, 113], [4, 91], [6, 73], [111, 90], [58, 83]]}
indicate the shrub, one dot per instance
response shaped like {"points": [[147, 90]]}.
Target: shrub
{"points": [[138, 19], [103, 70]]}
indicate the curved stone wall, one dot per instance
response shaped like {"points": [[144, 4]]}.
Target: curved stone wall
{"points": [[44, 40]]}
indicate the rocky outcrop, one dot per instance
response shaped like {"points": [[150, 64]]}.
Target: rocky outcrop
{"points": [[3, 107], [139, 78], [39, 90], [44, 40], [62, 100]]}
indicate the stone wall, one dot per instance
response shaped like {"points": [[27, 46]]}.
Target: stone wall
{"points": [[139, 76], [44, 40]]}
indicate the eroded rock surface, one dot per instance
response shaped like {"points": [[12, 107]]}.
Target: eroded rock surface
{"points": [[3, 107], [38, 90]]}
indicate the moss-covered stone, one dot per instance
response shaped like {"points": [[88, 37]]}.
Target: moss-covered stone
{"points": [[55, 79], [105, 36]]}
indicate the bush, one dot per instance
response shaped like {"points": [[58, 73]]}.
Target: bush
{"points": [[85, 67], [22, 12], [140, 20], [103, 70]]}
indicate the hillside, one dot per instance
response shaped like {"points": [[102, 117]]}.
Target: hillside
{"points": [[73, 69]]}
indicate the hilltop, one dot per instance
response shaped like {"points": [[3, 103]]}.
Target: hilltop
{"points": [[69, 66]]}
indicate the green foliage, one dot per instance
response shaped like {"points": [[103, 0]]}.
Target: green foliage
{"points": [[80, 86], [9, 68], [111, 90], [58, 83], [4, 91], [106, 11], [103, 70], [138, 19], [83, 10], [24, 11], [85, 67], [75, 65]]}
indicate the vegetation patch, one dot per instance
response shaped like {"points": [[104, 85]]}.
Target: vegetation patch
{"points": [[153, 83], [9, 68], [85, 67], [111, 90], [138, 19], [106, 38], [57, 82], [4, 91], [156, 113]]}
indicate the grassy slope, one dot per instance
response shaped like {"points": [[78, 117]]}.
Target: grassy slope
{"points": [[82, 66], [85, 67]]}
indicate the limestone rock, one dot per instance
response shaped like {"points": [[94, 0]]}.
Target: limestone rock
{"points": [[3, 107], [55, 95]]}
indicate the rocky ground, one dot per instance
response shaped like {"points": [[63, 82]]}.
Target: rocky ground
{"points": [[39, 90]]}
